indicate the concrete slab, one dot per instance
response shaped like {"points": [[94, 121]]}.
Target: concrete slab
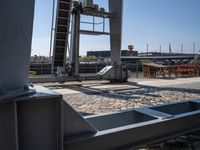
{"points": [[95, 87], [66, 91], [114, 87], [166, 82]]}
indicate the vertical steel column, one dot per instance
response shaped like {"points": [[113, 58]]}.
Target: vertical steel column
{"points": [[116, 8], [74, 47], [52, 27], [15, 48]]}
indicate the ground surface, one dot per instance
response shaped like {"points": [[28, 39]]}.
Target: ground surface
{"points": [[98, 97]]}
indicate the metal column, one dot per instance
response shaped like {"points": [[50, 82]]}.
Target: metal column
{"points": [[116, 72], [15, 38], [116, 8], [74, 47]]}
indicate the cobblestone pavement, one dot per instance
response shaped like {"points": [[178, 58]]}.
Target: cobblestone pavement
{"points": [[98, 102], [87, 99], [103, 103]]}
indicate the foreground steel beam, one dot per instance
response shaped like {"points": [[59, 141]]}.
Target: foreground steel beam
{"points": [[44, 121], [15, 44], [136, 128], [39, 121], [32, 122]]}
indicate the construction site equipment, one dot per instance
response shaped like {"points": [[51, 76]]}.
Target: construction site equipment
{"points": [[35, 118], [88, 8]]}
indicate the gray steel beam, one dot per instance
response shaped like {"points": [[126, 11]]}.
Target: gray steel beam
{"points": [[8, 140], [15, 38], [32, 122], [87, 32], [74, 47], [43, 121], [116, 9], [116, 73], [138, 127]]}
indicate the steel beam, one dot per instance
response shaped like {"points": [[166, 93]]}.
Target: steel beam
{"points": [[139, 127], [117, 72], [43, 121], [74, 47], [15, 37], [32, 122], [116, 9]]}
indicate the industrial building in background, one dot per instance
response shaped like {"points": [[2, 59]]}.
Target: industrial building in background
{"points": [[106, 54], [35, 118]]}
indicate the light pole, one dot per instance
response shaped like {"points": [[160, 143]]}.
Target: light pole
{"points": [[194, 47], [182, 48], [160, 48]]}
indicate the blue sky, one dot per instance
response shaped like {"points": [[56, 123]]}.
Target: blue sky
{"points": [[145, 21]]}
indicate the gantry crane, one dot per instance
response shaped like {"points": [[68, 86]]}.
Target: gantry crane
{"points": [[68, 9], [35, 118]]}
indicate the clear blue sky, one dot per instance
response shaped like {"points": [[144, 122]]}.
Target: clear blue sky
{"points": [[145, 21]]}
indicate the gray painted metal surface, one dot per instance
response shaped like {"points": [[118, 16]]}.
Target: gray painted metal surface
{"points": [[138, 127], [40, 121], [116, 73], [116, 8], [8, 126], [43, 121], [74, 123], [32, 122], [15, 43], [75, 38]]}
